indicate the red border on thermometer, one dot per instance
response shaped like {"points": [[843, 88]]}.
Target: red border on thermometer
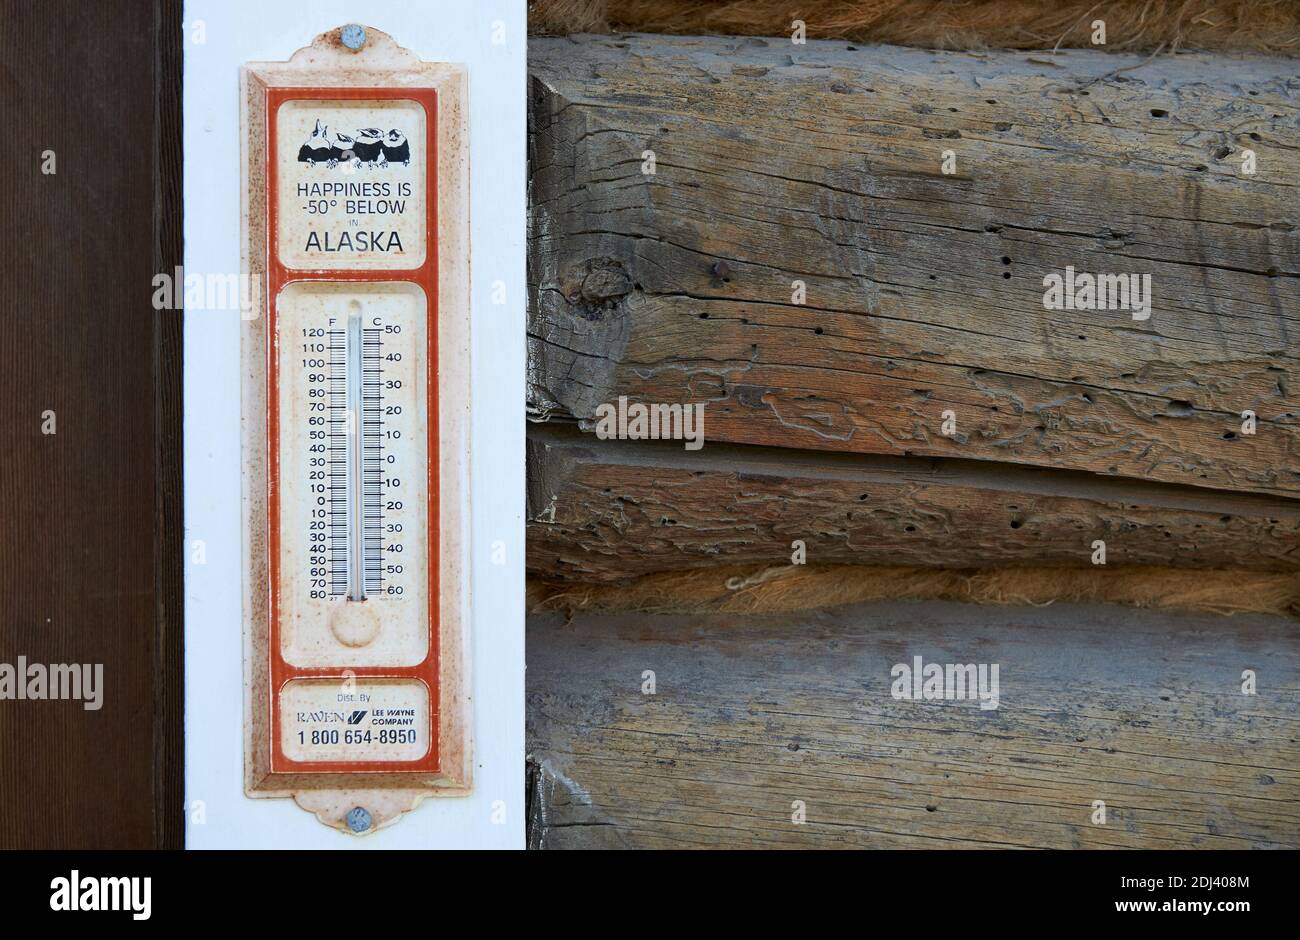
{"points": [[278, 276]]}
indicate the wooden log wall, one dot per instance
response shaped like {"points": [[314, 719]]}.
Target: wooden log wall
{"points": [[799, 263], [609, 510], [768, 230], [1141, 710]]}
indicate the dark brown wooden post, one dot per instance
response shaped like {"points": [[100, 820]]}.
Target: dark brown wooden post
{"points": [[90, 515]]}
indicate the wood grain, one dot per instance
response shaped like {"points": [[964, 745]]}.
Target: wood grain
{"points": [[90, 570], [1140, 709], [822, 163], [610, 510], [169, 540]]}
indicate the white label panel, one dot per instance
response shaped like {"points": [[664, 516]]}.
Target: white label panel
{"points": [[325, 720], [352, 184]]}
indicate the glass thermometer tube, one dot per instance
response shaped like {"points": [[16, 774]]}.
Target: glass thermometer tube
{"points": [[355, 457]]}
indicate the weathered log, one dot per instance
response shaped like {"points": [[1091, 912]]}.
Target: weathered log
{"points": [[822, 163], [1141, 710], [609, 510]]}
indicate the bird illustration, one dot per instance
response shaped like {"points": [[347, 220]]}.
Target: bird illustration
{"points": [[368, 145], [396, 149], [341, 151], [318, 148]]}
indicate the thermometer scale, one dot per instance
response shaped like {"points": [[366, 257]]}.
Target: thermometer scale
{"points": [[363, 514]]}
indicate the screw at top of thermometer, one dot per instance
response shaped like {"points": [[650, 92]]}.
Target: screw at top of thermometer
{"points": [[355, 460]]}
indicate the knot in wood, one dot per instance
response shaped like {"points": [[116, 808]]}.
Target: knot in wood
{"points": [[606, 282]]}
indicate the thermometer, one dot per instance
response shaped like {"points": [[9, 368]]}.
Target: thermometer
{"points": [[356, 432]]}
